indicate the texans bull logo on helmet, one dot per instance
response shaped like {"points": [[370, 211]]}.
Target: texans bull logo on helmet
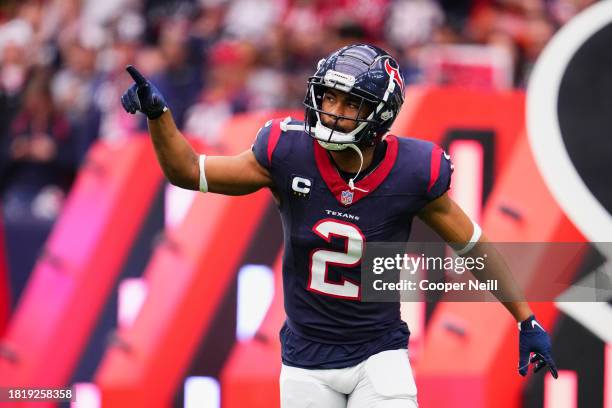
{"points": [[395, 74]]}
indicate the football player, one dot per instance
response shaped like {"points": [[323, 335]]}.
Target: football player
{"points": [[340, 180]]}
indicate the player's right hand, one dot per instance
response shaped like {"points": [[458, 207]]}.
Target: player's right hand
{"points": [[143, 96], [534, 339]]}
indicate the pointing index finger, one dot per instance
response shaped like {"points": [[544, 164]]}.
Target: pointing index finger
{"points": [[552, 367], [136, 76]]}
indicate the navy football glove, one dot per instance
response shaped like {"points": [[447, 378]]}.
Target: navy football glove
{"points": [[534, 339], [143, 96]]}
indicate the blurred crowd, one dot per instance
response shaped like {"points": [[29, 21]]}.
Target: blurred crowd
{"points": [[62, 65]]}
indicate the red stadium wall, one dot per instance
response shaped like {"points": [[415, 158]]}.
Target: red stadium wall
{"points": [[187, 277], [250, 376], [83, 255], [430, 113]]}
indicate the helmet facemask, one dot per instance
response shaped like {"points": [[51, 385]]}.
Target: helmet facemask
{"points": [[330, 136]]}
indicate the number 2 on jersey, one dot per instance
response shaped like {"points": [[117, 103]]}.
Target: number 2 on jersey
{"points": [[320, 259]]}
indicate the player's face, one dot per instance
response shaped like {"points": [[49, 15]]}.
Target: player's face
{"points": [[343, 104]]}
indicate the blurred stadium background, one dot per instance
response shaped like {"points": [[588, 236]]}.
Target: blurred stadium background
{"points": [[139, 294]]}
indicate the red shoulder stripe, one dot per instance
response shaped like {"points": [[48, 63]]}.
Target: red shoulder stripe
{"points": [[273, 139], [434, 170]]}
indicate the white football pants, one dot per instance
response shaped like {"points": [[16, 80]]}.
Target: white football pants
{"points": [[382, 381]]}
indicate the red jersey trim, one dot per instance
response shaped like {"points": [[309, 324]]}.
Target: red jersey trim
{"points": [[434, 170], [337, 185], [275, 132]]}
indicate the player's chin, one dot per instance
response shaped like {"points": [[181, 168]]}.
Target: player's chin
{"points": [[337, 127]]}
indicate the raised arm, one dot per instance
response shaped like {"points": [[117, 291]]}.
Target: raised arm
{"points": [[232, 175]]}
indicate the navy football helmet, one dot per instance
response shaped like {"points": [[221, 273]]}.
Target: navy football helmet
{"points": [[367, 73]]}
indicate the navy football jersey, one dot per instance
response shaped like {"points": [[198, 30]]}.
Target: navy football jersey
{"points": [[326, 225]]}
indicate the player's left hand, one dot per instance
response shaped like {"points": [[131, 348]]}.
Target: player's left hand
{"points": [[534, 339]]}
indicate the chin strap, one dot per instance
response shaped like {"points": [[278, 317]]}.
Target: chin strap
{"points": [[351, 182]]}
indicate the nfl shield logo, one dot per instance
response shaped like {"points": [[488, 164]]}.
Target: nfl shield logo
{"points": [[346, 197]]}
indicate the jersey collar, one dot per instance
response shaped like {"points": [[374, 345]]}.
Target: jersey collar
{"points": [[339, 188]]}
